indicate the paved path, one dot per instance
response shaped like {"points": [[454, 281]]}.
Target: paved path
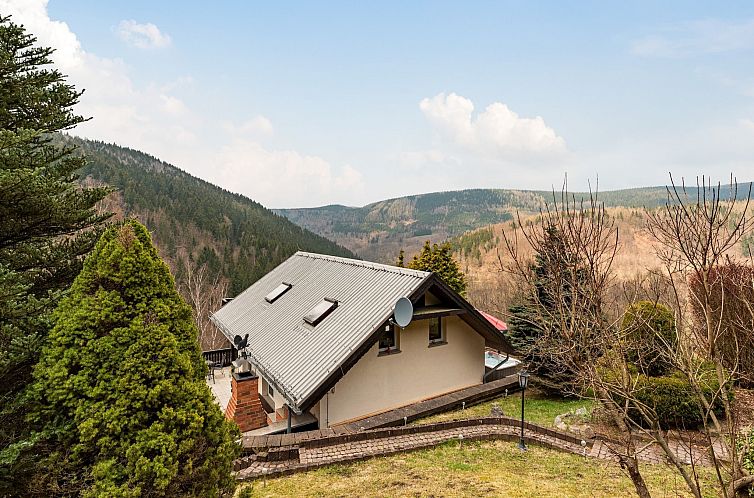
{"points": [[281, 457], [349, 451], [651, 452]]}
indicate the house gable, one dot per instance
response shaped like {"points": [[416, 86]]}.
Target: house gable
{"points": [[446, 302], [302, 359]]}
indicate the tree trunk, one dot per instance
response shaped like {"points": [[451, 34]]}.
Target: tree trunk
{"points": [[627, 461], [632, 466], [741, 486]]}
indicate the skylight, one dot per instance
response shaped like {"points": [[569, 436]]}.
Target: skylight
{"points": [[320, 312], [277, 292]]}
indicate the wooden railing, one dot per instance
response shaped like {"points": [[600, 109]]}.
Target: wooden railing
{"points": [[222, 357]]}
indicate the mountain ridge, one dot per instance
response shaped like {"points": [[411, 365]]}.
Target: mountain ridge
{"points": [[378, 230], [237, 236]]}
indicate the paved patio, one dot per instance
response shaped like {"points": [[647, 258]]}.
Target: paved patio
{"points": [[220, 387]]}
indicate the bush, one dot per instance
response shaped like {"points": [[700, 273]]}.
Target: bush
{"points": [[120, 388], [672, 398], [650, 330]]}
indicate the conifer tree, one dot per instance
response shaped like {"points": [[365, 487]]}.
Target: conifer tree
{"points": [[46, 223], [556, 279], [119, 390], [439, 259]]}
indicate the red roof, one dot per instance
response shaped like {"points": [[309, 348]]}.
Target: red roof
{"points": [[496, 322]]}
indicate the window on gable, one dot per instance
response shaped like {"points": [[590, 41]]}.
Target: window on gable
{"points": [[436, 331], [389, 340], [320, 311], [277, 292]]}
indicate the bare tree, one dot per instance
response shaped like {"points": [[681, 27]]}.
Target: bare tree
{"points": [[577, 242], [204, 292], [577, 306], [697, 230]]}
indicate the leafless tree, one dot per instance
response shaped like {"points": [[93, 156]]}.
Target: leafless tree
{"points": [[578, 307], [577, 242], [204, 292], [697, 231]]}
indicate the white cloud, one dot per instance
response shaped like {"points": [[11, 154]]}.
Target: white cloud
{"points": [[173, 105], [142, 35], [496, 133], [285, 178], [708, 36], [254, 127]]}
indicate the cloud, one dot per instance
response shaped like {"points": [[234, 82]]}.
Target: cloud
{"points": [[691, 38], [285, 178], [254, 127], [496, 133], [142, 35], [421, 158]]}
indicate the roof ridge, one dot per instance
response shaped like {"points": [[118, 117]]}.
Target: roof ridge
{"points": [[365, 264]]}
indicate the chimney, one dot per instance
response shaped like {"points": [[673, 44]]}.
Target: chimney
{"points": [[244, 407]]}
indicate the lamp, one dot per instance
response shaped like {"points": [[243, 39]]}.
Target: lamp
{"points": [[523, 382]]}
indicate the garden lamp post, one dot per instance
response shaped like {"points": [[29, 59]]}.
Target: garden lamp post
{"points": [[523, 382]]}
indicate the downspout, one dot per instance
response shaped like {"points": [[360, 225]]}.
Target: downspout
{"points": [[290, 414], [496, 367]]}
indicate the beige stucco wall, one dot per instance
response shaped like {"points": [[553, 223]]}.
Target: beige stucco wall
{"points": [[379, 383], [278, 400]]}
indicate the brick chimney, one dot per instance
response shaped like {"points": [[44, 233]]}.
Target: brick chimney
{"points": [[244, 407]]}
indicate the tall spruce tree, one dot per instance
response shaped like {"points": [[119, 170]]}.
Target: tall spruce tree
{"points": [[439, 259], [556, 278], [119, 390], [46, 223]]}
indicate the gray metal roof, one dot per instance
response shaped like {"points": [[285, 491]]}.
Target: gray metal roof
{"points": [[295, 356]]}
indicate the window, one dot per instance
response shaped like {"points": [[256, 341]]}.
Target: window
{"points": [[277, 292], [389, 340], [270, 391], [320, 312], [436, 331]]}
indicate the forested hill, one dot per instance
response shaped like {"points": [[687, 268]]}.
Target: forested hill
{"points": [[194, 223], [378, 231]]}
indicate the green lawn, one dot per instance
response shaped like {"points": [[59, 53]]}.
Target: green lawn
{"points": [[490, 468], [539, 409]]}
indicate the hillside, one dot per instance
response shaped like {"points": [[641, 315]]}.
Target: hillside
{"points": [[482, 254], [236, 236], [378, 231], [216, 242]]}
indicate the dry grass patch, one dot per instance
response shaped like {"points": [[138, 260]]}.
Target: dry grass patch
{"points": [[493, 468]]}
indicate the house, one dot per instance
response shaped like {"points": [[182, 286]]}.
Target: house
{"points": [[324, 349]]}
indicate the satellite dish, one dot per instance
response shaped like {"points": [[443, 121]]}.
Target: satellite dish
{"points": [[403, 312]]}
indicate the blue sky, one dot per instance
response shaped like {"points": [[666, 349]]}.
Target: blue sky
{"points": [[303, 104]]}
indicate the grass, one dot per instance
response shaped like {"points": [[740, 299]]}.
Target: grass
{"points": [[539, 409], [490, 468]]}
